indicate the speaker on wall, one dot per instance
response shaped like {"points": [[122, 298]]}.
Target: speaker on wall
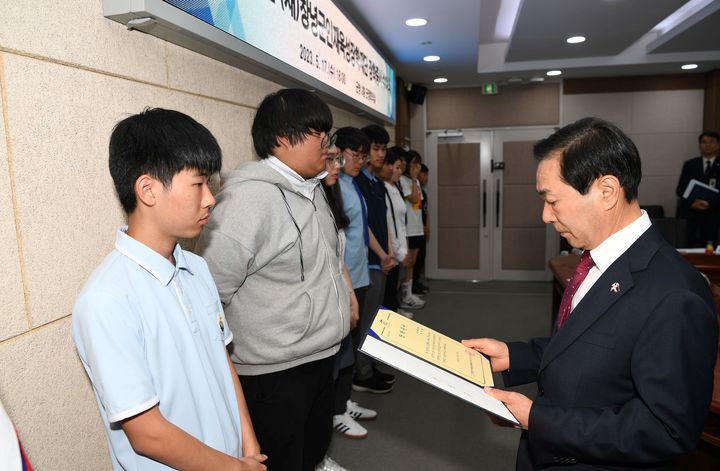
{"points": [[417, 94]]}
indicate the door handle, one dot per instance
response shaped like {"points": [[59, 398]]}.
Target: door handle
{"points": [[484, 203], [497, 203]]}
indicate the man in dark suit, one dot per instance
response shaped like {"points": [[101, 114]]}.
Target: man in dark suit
{"points": [[703, 217], [625, 379]]}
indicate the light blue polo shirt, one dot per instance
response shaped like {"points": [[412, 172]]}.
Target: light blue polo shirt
{"points": [[356, 255], [149, 333]]}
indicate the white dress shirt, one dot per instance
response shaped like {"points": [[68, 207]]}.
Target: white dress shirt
{"points": [[610, 250]]}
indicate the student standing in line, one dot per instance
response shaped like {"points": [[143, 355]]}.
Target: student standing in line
{"points": [[344, 358], [354, 146], [273, 250], [419, 271], [368, 377], [414, 227], [390, 175], [148, 324]]}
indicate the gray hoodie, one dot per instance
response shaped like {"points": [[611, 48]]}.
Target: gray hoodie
{"points": [[274, 256]]}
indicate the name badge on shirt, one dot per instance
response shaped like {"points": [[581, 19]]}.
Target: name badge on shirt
{"points": [[713, 182]]}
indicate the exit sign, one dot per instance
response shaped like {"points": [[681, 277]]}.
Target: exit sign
{"points": [[489, 88]]}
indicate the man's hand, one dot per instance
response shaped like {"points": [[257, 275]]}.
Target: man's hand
{"points": [[495, 349], [517, 404], [253, 463], [700, 204]]}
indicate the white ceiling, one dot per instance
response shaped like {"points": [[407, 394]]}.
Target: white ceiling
{"points": [[500, 40]]}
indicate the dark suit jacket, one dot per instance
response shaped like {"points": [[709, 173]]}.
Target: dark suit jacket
{"points": [[374, 193], [626, 383], [695, 169]]}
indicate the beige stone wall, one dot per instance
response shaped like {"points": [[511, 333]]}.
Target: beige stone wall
{"points": [[66, 76]]}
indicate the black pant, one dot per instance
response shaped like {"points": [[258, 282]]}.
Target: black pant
{"points": [[390, 298], [343, 390], [291, 411], [419, 268]]}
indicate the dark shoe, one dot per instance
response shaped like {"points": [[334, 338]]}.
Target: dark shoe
{"points": [[372, 385], [384, 377], [421, 287]]}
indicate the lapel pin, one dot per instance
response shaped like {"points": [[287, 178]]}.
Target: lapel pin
{"points": [[615, 287]]}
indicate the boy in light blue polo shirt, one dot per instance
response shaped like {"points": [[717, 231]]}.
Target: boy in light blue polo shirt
{"points": [[148, 324]]}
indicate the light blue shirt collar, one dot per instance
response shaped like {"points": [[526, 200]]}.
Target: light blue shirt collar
{"points": [[369, 174], [155, 264]]}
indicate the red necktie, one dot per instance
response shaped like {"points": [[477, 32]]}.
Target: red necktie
{"points": [[581, 271]]}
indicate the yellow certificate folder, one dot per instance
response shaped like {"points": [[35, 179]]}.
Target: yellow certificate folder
{"points": [[433, 358]]}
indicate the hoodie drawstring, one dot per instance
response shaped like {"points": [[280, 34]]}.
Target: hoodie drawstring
{"points": [[297, 228]]}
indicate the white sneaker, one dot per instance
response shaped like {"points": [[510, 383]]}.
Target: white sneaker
{"points": [[407, 314], [412, 303], [359, 413], [417, 298], [348, 427], [328, 464]]}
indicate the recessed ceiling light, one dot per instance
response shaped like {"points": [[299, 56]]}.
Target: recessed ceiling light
{"points": [[416, 22], [537, 78], [440, 80], [689, 66], [553, 73], [514, 80], [431, 58], [575, 39]]}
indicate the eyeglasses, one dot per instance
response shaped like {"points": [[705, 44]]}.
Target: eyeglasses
{"points": [[335, 159], [328, 141], [358, 157]]}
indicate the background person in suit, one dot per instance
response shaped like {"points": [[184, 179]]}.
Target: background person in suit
{"points": [[703, 218], [625, 380]]}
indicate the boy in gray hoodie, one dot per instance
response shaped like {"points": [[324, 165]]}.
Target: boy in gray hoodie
{"points": [[272, 248]]}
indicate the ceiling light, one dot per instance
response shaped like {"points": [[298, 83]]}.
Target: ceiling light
{"points": [[575, 39], [536, 79], [431, 58], [416, 22], [440, 80], [689, 66], [553, 73], [514, 80]]}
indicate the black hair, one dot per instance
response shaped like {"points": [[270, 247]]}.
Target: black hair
{"points": [[377, 134], [160, 143], [591, 148], [710, 134], [334, 198], [424, 168], [289, 113], [353, 139], [393, 154], [414, 155]]}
